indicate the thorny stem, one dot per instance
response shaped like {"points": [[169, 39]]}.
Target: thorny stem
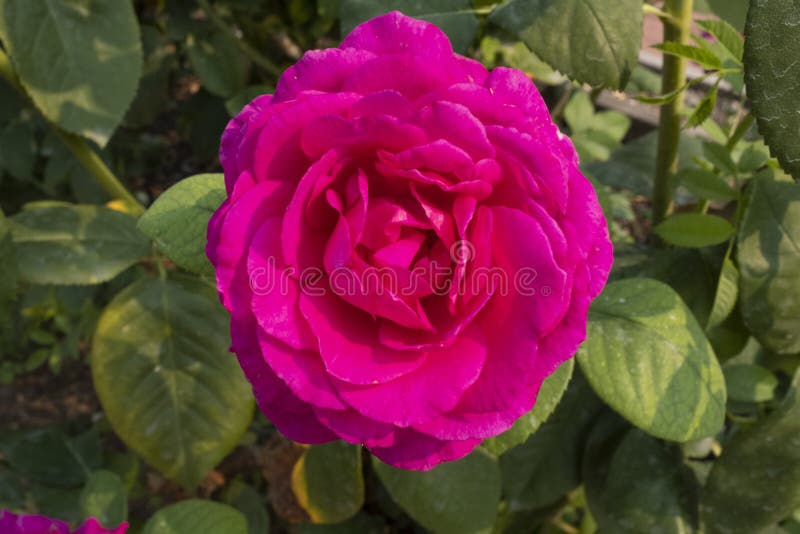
{"points": [[676, 29], [79, 148]]}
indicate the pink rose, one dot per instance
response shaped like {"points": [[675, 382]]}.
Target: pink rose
{"points": [[408, 248], [38, 524]]}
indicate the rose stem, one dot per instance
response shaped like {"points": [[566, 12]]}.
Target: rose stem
{"points": [[673, 76]]}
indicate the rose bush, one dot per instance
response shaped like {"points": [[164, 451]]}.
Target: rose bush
{"points": [[407, 248], [37, 524]]}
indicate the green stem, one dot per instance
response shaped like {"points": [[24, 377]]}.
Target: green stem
{"points": [[669, 128], [79, 148], [255, 56]]}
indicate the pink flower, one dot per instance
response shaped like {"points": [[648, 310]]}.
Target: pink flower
{"points": [[38, 524], [408, 248]]}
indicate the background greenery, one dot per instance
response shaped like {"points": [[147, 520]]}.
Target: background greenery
{"points": [[679, 414]]}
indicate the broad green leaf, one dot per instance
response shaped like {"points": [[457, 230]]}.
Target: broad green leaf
{"points": [[75, 244], [79, 61], [755, 156], [104, 498], [769, 264], [636, 483], [250, 503], [726, 294], [694, 230], [704, 184], [719, 156], [515, 54], [452, 498], [165, 343], [328, 483], [223, 68], [702, 56], [547, 399], [756, 481], [196, 516], [772, 73], [595, 42], [727, 35], [178, 218], [547, 466], [648, 358], [455, 17], [749, 383], [49, 456]]}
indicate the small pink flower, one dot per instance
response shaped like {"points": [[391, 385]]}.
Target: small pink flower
{"points": [[408, 248], [38, 524]]}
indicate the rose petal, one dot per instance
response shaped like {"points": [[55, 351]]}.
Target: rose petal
{"points": [[422, 394], [420, 452], [293, 417], [395, 33], [320, 70]]}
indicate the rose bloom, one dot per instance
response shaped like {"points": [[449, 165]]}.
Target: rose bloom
{"points": [[38, 524], [408, 248]]}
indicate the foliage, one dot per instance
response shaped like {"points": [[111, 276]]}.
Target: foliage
{"points": [[679, 413]]}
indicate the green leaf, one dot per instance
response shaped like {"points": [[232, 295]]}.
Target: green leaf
{"points": [[595, 135], [727, 35], [756, 481], [457, 497], [79, 61], [455, 17], [250, 503], [75, 244], [726, 294], [196, 516], [648, 358], [165, 343], [704, 109], [772, 45], [547, 399], [48, 455], [178, 218], [223, 68], [772, 73], [704, 184], [694, 230], [104, 498], [702, 56], [328, 483], [769, 264], [635, 483], [749, 383], [755, 156], [547, 466], [595, 42]]}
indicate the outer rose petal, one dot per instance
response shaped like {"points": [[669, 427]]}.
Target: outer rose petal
{"points": [[320, 70], [293, 417], [93, 526], [394, 33], [412, 450], [234, 134]]}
